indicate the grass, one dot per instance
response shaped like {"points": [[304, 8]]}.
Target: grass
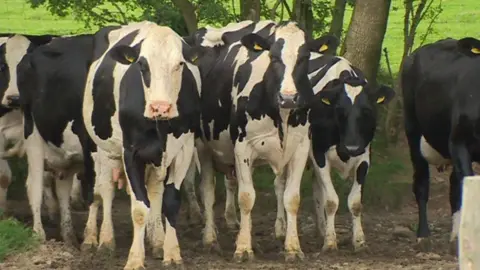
{"points": [[458, 19], [14, 238]]}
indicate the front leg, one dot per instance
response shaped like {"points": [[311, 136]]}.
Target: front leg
{"points": [[291, 200], [246, 200], [171, 202], [140, 207], [462, 167]]}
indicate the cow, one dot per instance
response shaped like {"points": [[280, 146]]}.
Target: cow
{"points": [[438, 82], [255, 95], [343, 119], [141, 108], [12, 49], [50, 82]]}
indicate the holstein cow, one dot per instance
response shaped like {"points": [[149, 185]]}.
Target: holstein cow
{"points": [[12, 49], [254, 111], [440, 89], [343, 120], [142, 107], [51, 80]]}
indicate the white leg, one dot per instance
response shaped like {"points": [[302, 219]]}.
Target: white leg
{"points": [[319, 203], [5, 180], [207, 190], [76, 194], [35, 158], [324, 180], [455, 227], [355, 204], [280, 222], [291, 199], [230, 209], [171, 201], [63, 188], [246, 200], [194, 213], [106, 189], [155, 231]]}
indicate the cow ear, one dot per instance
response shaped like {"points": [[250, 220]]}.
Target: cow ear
{"points": [[124, 54], [256, 43], [384, 94], [329, 95], [325, 45], [469, 46], [193, 54]]}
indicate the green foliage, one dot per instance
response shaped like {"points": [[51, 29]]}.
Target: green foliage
{"points": [[15, 237]]}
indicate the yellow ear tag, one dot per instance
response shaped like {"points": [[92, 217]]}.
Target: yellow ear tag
{"points": [[326, 101], [257, 47], [194, 58], [475, 50], [130, 59], [323, 48], [380, 99]]}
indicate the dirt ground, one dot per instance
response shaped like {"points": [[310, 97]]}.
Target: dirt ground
{"points": [[390, 237]]}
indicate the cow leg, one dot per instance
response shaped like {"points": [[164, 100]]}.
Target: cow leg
{"points": [[155, 230], [76, 194], [246, 200], [140, 208], [319, 201], [49, 198], [35, 158], [207, 189], [326, 206], [462, 167], [5, 180], [291, 200], [230, 210], [355, 203], [171, 203], [194, 213], [280, 222], [63, 188], [106, 188]]}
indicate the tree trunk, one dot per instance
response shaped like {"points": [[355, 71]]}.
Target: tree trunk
{"points": [[469, 231], [188, 11], [364, 39], [250, 10], [338, 14]]}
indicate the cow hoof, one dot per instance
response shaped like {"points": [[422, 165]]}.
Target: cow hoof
{"points": [[157, 252], [359, 247], [294, 256], [245, 256], [424, 244], [453, 248], [213, 248], [88, 247], [41, 235], [134, 265], [106, 250], [330, 247], [173, 264]]}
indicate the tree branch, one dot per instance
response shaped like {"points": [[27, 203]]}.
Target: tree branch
{"points": [[120, 11]]}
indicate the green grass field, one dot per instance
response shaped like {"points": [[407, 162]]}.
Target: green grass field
{"points": [[14, 237]]}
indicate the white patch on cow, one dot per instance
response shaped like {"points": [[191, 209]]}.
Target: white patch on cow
{"points": [[432, 156], [213, 36], [262, 25], [16, 48], [456, 219], [293, 38]]}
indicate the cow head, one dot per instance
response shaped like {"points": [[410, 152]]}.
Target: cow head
{"points": [[286, 77], [469, 46], [354, 104], [161, 57]]}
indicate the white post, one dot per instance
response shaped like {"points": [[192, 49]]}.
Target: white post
{"points": [[469, 232]]}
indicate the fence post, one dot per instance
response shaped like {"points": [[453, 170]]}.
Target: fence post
{"points": [[469, 232]]}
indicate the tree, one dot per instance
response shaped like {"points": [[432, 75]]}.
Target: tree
{"points": [[363, 43], [338, 13]]}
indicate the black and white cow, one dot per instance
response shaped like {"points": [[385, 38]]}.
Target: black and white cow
{"points": [[50, 81], [343, 120], [142, 109], [12, 49], [440, 89], [255, 95]]}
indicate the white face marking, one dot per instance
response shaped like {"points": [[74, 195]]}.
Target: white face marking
{"points": [[293, 38], [16, 48]]}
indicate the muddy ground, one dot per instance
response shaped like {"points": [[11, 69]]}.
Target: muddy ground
{"points": [[390, 237]]}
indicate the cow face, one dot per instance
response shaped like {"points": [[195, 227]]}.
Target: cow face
{"points": [[355, 109], [160, 57], [286, 77], [11, 53]]}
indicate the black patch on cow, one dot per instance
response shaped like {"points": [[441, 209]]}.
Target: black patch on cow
{"points": [[145, 69], [36, 41], [171, 203], [362, 170], [102, 92], [244, 71], [101, 41], [326, 62], [234, 36], [4, 69]]}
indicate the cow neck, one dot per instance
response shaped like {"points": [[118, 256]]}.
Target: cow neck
{"points": [[290, 139]]}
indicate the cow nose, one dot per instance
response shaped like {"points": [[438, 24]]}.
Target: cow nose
{"points": [[159, 108], [352, 148], [13, 101], [288, 99]]}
